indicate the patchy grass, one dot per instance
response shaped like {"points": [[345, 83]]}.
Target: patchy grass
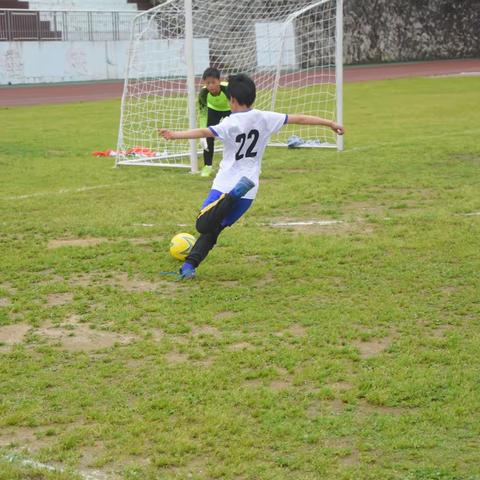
{"points": [[346, 351]]}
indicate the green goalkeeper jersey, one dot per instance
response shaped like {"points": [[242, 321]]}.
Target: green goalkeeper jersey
{"points": [[215, 102]]}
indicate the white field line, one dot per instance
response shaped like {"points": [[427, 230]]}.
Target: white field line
{"points": [[19, 458], [63, 191], [293, 224]]}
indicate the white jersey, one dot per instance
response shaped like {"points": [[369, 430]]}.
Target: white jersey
{"points": [[245, 136]]}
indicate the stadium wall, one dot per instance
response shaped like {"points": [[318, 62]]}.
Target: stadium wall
{"points": [[379, 31], [44, 62], [76, 61], [406, 30]]}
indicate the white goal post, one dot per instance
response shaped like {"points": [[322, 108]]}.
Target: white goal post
{"points": [[291, 48]]}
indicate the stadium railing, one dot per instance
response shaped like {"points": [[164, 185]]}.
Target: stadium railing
{"points": [[64, 25]]}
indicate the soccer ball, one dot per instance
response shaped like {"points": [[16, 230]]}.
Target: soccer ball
{"points": [[181, 245]]}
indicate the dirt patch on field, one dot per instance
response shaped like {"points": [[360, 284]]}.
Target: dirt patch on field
{"points": [[145, 241], [441, 330], [348, 455], [341, 386], [412, 193], [54, 299], [5, 302], [350, 460], [364, 208], [267, 279], [230, 283], [205, 361], [336, 406], [32, 438], [89, 456], [294, 330], [7, 287], [206, 330], [49, 277], [402, 200], [466, 157], [235, 347], [76, 242], [94, 241], [195, 468], [123, 281], [12, 334], [82, 280], [224, 315], [366, 408], [74, 336], [176, 357], [157, 334], [373, 347], [450, 290], [279, 384], [276, 385], [253, 382], [135, 284], [314, 410], [320, 408]]}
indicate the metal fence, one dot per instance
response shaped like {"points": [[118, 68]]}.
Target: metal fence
{"points": [[60, 25]]}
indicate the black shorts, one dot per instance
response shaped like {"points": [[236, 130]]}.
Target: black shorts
{"points": [[214, 117]]}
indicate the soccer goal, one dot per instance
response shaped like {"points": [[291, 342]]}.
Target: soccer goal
{"points": [[291, 48]]}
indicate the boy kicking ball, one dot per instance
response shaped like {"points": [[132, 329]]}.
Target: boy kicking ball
{"points": [[245, 135]]}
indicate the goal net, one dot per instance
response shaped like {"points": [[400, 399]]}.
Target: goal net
{"points": [[291, 48]]}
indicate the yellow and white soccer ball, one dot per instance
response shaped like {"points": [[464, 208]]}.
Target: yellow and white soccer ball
{"points": [[181, 245]]}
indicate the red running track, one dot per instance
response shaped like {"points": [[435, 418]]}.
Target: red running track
{"points": [[77, 92]]}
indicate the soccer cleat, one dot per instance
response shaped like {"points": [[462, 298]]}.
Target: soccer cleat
{"points": [[186, 272], [206, 171], [242, 187]]}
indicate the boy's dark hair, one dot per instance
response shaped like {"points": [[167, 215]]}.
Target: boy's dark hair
{"points": [[211, 72], [242, 88]]}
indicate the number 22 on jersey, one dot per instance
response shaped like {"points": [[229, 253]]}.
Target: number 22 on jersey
{"points": [[242, 138]]}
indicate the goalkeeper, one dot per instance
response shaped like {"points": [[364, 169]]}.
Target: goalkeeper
{"points": [[213, 108]]}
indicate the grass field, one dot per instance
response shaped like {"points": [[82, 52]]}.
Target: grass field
{"points": [[348, 351]]}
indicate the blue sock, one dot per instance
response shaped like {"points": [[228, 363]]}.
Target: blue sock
{"points": [[242, 187], [187, 266]]}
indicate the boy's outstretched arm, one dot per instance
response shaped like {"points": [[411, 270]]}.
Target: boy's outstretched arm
{"points": [[311, 120], [185, 134]]}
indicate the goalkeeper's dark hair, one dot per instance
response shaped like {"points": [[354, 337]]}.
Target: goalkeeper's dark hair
{"points": [[242, 88], [211, 72]]}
